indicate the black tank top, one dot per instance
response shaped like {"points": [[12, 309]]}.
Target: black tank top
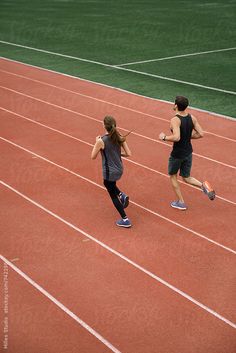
{"points": [[183, 147]]}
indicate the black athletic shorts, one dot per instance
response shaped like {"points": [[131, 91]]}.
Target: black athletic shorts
{"points": [[183, 165]]}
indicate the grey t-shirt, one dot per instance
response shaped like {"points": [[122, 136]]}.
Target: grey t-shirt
{"points": [[112, 165]]}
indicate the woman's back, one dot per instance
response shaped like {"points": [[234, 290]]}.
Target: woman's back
{"points": [[111, 160]]}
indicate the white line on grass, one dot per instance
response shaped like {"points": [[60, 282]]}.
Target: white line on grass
{"points": [[178, 81], [57, 302], [120, 68], [113, 88], [104, 101], [132, 202], [94, 119], [177, 56], [91, 145], [53, 53], [123, 257]]}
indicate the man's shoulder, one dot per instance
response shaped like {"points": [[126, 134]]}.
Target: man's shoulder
{"points": [[175, 120], [194, 119]]}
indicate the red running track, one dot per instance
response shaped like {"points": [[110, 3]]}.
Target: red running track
{"points": [[123, 292]]}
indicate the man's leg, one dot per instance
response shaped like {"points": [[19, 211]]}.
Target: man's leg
{"points": [[173, 168], [176, 188], [192, 181], [185, 173]]}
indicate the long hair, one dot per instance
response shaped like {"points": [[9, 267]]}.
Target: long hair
{"points": [[110, 126]]}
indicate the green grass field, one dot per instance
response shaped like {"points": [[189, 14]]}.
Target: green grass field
{"points": [[117, 32]]}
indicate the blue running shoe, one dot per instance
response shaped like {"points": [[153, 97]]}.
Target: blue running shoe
{"points": [[124, 223], [208, 190], [124, 199], [179, 205]]}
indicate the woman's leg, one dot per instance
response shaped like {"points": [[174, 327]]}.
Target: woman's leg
{"points": [[114, 193]]}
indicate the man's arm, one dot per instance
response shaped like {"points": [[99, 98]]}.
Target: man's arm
{"points": [[175, 128], [197, 132]]}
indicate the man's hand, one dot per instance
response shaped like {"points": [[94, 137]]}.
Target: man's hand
{"points": [[162, 136]]}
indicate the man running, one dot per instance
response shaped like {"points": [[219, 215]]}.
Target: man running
{"points": [[184, 127]]}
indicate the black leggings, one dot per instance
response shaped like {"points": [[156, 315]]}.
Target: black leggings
{"points": [[114, 192]]}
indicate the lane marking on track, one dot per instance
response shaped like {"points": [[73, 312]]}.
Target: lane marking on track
{"points": [[100, 121], [132, 202], [91, 145], [122, 90], [120, 68], [61, 306], [107, 102], [121, 256], [177, 56]]}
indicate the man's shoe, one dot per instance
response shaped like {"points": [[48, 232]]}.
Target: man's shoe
{"points": [[208, 190], [179, 205], [124, 223], [124, 199]]}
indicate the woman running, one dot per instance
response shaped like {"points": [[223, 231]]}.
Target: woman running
{"points": [[113, 146]]}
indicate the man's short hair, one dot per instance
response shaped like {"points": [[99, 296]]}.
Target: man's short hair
{"points": [[181, 102]]}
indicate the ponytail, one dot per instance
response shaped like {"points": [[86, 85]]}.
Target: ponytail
{"points": [[110, 126]]}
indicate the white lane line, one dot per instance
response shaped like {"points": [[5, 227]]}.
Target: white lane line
{"points": [[132, 202], [46, 126], [100, 121], [91, 145], [214, 114], [121, 256], [120, 68], [106, 102], [177, 56], [56, 54], [59, 304], [177, 81]]}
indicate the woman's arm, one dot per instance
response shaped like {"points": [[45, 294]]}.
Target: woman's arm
{"points": [[126, 149], [99, 145]]}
